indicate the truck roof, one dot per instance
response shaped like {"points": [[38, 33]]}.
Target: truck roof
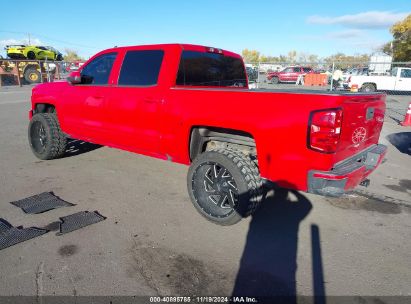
{"points": [[165, 46]]}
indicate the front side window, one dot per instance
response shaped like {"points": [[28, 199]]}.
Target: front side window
{"points": [[141, 68], [210, 69], [98, 70], [288, 70]]}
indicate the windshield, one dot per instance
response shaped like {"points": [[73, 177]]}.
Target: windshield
{"points": [[210, 69]]}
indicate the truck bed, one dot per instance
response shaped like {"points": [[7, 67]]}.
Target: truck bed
{"points": [[283, 91]]}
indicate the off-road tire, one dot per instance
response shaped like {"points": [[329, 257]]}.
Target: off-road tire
{"points": [[59, 57], [31, 55], [368, 87], [28, 75], [275, 80], [247, 179], [55, 140]]}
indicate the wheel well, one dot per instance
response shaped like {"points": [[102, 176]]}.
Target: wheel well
{"points": [[203, 138], [44, 108]]}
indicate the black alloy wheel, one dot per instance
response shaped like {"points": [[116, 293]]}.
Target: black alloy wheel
{"points": [[224, 185], [46, 139]]}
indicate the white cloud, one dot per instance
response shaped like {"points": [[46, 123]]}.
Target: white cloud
{"points": [[33, 41], [370, 20], [347, 34]]}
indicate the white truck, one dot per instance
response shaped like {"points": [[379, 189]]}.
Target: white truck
{"points": [[400, 80]]}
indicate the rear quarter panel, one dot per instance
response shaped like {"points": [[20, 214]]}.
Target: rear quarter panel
{"points": [[277, 121]]}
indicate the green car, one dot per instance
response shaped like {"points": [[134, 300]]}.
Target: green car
{"points": [[33, 52]]}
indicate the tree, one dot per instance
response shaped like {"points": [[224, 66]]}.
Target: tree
{"points": [[251, 56], [387, 48], [401, 45], [343, 61], [312, 58], [72, 55], [292, 56]]}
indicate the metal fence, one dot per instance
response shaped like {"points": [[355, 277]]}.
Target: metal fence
{"points": [[20, 72], [393, 78]]}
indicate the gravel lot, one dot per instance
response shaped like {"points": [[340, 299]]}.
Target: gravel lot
{"points": [[153, 242]]}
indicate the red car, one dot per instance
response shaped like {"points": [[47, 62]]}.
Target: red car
{"points": [[73, 66], [289, 74], [191, 104]]}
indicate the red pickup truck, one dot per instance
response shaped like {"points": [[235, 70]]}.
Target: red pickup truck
{"points": [[289, 74], [191, 105]]}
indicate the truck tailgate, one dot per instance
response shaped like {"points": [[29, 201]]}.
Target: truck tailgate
{"points": [[363, 117]]}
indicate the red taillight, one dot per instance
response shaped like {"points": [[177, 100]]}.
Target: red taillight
{"points": [[324, 130]]}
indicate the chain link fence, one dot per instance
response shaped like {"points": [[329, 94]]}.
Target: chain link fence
{"points": [[20, 72], [393, 78]]}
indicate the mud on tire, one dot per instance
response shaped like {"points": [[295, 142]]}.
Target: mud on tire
{"points": [[224, 185], [46, 139]]}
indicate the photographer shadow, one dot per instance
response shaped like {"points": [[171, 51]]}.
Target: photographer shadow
{"points": [[269, 262]]}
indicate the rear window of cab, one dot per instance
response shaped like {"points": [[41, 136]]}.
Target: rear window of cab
{"points": [[210, 69]]}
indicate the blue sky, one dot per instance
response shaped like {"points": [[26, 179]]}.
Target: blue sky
{"points": [[271, 27]]}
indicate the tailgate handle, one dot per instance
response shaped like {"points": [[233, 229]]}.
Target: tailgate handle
{"points": [[370, 113]]}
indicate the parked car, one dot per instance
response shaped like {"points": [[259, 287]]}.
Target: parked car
{"points": [[289, 74], [33, 52], [74, 66], [191, 104], [400, 80]]}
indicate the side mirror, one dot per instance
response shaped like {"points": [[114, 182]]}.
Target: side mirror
{"points": [[74, 78]]}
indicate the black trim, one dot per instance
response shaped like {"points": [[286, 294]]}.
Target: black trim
{"points": [[326, 187], [368, 158]]}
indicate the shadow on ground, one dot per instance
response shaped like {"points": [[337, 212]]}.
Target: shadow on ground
{"points": [[402, 141], [269, 261], [76, 147]]}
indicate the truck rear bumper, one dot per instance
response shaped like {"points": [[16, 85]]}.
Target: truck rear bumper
{"points": [[346, 175]]}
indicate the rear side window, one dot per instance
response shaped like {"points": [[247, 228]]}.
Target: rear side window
{"points": [[98, 70], [141, 68], [210, 69], [307, 70]]}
